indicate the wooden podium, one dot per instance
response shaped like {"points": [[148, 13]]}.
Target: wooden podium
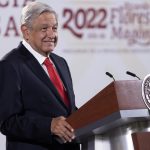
{"points": [[107, 120]]}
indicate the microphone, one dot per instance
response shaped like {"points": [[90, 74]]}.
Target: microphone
{"points": [[132, 74], [110, 75]]}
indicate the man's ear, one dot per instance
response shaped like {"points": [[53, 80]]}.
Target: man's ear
{"points": [[25, 31]]}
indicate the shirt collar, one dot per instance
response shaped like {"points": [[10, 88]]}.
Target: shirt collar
{"points": [[40, 58]]}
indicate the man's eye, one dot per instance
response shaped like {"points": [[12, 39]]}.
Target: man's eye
{"points": [[44, 28], [55, 28]]}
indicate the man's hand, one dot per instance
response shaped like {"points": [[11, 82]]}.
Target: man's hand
{"points": [[62, 129]]}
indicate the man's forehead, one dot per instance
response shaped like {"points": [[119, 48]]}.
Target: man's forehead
{"points": [[46, 20]]}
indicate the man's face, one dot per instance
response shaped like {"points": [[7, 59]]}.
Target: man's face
{"points": [[43, 36]]}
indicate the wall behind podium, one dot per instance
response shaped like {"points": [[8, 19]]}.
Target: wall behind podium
{"points": [[95, 36]]}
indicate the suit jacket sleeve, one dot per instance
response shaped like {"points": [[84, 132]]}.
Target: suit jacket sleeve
{"points": [[14, 122]]}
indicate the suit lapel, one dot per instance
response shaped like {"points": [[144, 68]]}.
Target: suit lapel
{"points": [[37, 69], [59, 66]]}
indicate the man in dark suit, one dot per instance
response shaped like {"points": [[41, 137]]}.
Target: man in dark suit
{"points": [[32, 108]]}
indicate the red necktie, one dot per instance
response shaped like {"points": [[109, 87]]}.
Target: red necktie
{"points": [[56, 80]]}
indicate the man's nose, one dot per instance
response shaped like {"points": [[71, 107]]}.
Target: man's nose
{"points": [[50, 32]]}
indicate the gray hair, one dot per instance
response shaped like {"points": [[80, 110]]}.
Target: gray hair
{"points": [[32, 10]]}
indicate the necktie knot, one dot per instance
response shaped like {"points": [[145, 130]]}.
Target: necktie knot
{"points": [[47, 62]]}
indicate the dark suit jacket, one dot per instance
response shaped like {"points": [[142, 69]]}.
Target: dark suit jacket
{"points": [[29, 101]]}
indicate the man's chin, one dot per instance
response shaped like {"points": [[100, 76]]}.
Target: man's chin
{"points": [[48, 50]]}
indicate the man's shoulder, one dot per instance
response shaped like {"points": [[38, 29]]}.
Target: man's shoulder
{"points": [[14, 54], [13, 59], [57, 57], [11, 54]]}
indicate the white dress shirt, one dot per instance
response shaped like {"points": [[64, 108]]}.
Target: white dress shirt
{"points": [[40, 58]]}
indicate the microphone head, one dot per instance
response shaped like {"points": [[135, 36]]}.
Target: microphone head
{"points": [[109, 74], [130, 73]]}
